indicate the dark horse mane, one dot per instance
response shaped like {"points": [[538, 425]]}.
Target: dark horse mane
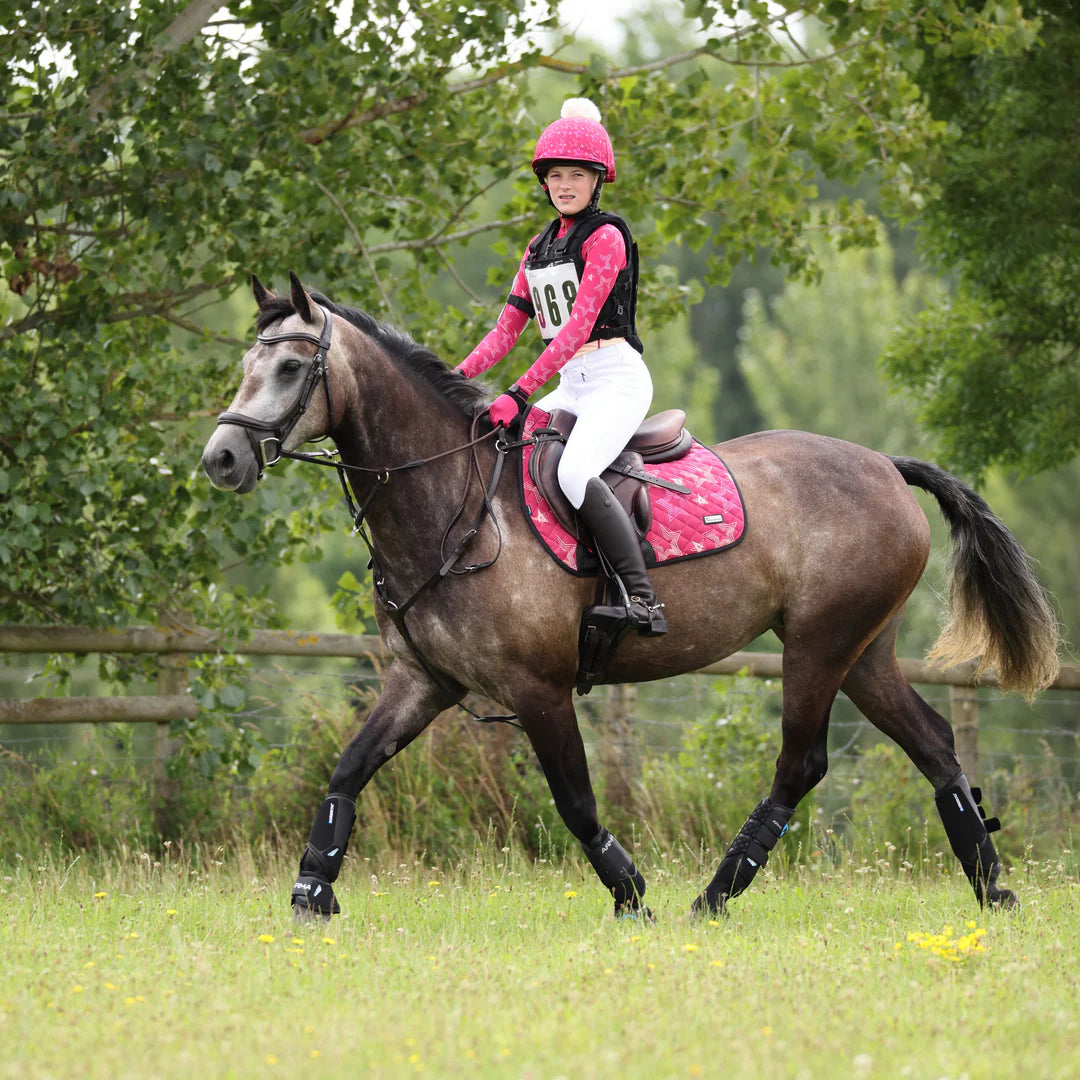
{"points": [[462, 393]]}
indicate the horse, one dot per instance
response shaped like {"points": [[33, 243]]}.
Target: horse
{"points": [[469, 601]]}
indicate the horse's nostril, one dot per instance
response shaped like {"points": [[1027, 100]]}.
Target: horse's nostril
{"points": [[218, 463]]}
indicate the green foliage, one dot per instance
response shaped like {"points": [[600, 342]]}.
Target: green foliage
{"points": [[812, 359], [702, 794], [459, 783], [995, 369], [151, 157]]}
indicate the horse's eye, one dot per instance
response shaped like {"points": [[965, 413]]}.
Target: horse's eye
{"points": [[290, 367]]}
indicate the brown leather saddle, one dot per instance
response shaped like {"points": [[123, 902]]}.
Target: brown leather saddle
{"points": [[662, 437]]}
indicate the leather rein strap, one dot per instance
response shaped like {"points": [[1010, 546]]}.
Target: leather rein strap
{"points": [[278, 431]]}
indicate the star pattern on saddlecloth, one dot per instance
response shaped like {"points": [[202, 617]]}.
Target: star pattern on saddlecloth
{"points": [[678, 528]]}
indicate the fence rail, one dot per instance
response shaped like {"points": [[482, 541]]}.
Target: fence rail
{"points": [[172, 644], [165, 641]]}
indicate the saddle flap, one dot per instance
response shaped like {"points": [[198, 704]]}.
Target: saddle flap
{"points": [[693, 505], [633, 496]]}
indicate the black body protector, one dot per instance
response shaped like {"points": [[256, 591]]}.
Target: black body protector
{"points": [[321, 861], [554, 268]]}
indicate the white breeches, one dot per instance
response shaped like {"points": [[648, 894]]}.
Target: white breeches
{"points": [[609, 390]]}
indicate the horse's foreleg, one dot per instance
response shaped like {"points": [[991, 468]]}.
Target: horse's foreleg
{"points": [[408, 703], [882, 694], [801, 765], [556, 739]]}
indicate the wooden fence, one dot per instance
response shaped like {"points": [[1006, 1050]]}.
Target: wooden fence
{"points": [[172, 646]]}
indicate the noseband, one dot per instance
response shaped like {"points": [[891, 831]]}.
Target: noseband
{"points": [[277, 431]]}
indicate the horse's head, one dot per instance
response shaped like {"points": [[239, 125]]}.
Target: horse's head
{"points": [[284, 398]]}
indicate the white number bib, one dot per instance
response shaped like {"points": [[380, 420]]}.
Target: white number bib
{"points": [[552, 290]]}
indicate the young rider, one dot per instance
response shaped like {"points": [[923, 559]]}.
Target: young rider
{"points": [[578, 279]]}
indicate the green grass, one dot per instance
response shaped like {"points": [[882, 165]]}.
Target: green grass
{"points": [[500, 967]]}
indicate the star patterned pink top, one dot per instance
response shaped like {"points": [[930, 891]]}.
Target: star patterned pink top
{"points": [[605, 255]]}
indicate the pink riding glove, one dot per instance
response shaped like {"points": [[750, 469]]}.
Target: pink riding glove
{"points": [[506, 408]]}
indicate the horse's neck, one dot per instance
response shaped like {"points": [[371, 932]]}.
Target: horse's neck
{"points": [[407, 423]]}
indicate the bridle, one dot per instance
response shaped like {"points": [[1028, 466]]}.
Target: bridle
{"points": [[279, 429]]}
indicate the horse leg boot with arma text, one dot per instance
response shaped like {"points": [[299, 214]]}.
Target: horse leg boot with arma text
{"points": [[748, 853], [969, 831], [320, 864], [618, 543], [616, 870]]}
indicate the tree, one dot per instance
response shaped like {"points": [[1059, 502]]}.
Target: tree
{"points": [[152, 155], [812, 359], [996, 366]]}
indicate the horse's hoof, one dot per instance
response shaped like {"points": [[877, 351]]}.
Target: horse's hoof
{"points": [[307, 915], [625, 911], [703, 907], [313, 896], [1002, 900]]}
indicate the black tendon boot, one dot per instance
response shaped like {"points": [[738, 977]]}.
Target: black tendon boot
{"points": [[969, 829], [313, 893], [615, 536], [617, 871]]}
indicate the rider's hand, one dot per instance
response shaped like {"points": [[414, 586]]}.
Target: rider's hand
{"points": [[506, 408]]}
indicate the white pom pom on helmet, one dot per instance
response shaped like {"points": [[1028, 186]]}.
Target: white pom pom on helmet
{"points": [[577, 136]]}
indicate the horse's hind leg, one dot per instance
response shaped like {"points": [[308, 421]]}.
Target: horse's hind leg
{"points": [[551, 724], [881, 693], [408, 703], [810, 686]]}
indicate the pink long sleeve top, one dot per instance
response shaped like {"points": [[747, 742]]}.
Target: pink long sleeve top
{"points": [[605, 255]]}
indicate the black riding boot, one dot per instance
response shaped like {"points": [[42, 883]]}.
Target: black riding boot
{"points": [[615, 536]]}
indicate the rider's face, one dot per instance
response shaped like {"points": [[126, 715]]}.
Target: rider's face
{"points": [[571, 187]]}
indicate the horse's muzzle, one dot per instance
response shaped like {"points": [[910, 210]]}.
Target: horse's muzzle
{"points": [[229, 462]]}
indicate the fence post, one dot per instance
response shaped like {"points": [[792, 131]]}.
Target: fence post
{"points": [[617, 746], [964, 713], [172, 678]]}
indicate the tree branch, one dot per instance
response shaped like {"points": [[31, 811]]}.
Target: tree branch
{"points": [[158, 305], [188, 23], [359, 243], [438, 239], [314, 136], [185, 324], [457, 277]]}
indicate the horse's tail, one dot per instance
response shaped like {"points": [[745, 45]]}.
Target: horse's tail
{"points": [[999, 615]]}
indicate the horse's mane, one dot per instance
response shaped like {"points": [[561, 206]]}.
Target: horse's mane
{"points": [[464, 394]]}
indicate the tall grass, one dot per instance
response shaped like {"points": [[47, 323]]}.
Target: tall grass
{"points": [[498, 964], [464, 783]]}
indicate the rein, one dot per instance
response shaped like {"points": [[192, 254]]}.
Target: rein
{"points": [[278, 431]]}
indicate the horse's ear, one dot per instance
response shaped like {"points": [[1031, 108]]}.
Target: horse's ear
{"points": [[261, 292], [300, 299]]}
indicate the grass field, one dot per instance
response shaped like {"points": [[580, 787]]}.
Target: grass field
{"points": [[501, 967]]}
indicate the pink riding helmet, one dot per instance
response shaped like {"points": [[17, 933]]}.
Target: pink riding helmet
{"points": [[577, 135]]}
